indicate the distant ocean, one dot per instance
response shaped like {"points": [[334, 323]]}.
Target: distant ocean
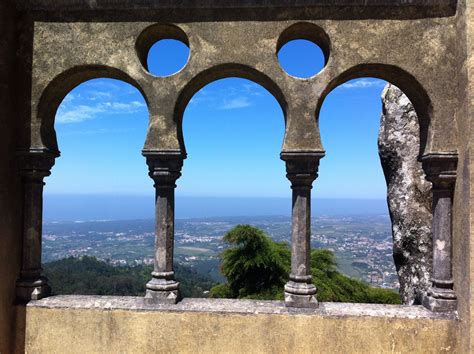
{"points": [[106, 207]]}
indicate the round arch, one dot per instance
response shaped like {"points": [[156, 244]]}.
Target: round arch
{"points": [[43, 131], [217, 73], [398, 77]]}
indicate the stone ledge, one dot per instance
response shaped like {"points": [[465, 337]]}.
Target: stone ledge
{"points": [[327, 309], [103, 324], [248, 9], [153, 4]]}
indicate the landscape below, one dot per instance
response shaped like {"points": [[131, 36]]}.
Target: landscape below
{"points": [[116, 257]]}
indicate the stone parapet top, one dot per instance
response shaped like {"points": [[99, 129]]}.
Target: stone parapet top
{"points": [[328, 309], [331, 8], [134, 4]]}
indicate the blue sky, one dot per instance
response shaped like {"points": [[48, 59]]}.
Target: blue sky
{"points": [[233, 131]]}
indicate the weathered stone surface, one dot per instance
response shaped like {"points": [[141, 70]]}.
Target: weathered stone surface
{"points": [[441, 171], [114, 47], [237, 306], [408, 193], [10, 182], [164, 169], [301, 170], [104, 324], [423, 46]]}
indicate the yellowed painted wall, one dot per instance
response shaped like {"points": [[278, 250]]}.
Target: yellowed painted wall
{"points": [[61, 330]]}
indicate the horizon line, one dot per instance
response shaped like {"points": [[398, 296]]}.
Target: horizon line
{"points": [[210, 197]]}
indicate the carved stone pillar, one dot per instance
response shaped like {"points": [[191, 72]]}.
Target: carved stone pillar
{"points": [[34, 166], [441, 172], [301, 170], [165, 169]]}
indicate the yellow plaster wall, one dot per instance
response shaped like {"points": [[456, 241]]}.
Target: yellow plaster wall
{"points": [[57, 330]]}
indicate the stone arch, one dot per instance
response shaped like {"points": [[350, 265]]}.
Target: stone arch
{"points": [[222, 72], [43, 132], [398, 77]]}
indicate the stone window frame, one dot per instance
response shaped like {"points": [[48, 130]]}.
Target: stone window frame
{"points": [[301, 100]]}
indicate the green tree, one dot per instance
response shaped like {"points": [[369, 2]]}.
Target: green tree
{"points": [[253, 263], [257, 267]]}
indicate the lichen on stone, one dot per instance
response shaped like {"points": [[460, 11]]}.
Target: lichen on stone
{"points": [[408, 193]]}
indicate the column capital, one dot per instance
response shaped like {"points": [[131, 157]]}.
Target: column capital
{"points": [[302, 167], [440, 169], [35, 164], [164, 166]]}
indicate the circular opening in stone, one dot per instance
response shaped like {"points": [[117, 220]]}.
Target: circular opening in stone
{"points": [[301, 58], [167, 57], [163, 49], [303, 50]]}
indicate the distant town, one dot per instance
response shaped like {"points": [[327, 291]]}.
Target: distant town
{"points": [[362, 243]]}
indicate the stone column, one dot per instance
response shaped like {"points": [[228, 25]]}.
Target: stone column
{"points": [[441, 172], [34, 166], [301, 171], [165, 169]]}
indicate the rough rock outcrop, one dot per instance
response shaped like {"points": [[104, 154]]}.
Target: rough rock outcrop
{"points": [[408, 193]]}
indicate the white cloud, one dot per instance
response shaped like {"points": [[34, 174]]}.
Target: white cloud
{"points": [[121, 107], [253, 89], [94, 131], [363, 83], [97, 95], [72, 113], [100, 97], [235, 103], [69, 97], [233, 97], [101, 85], [76, 114]]}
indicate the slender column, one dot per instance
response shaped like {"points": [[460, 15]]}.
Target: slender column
{"points": [[301, 171], [34, 166], [164, 169], [441, 172]]}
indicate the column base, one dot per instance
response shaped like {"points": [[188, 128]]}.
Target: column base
{"points": [[440, 300], [29, 289], [160, 290], [302, 295], [301, 301], [162, 297]]}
